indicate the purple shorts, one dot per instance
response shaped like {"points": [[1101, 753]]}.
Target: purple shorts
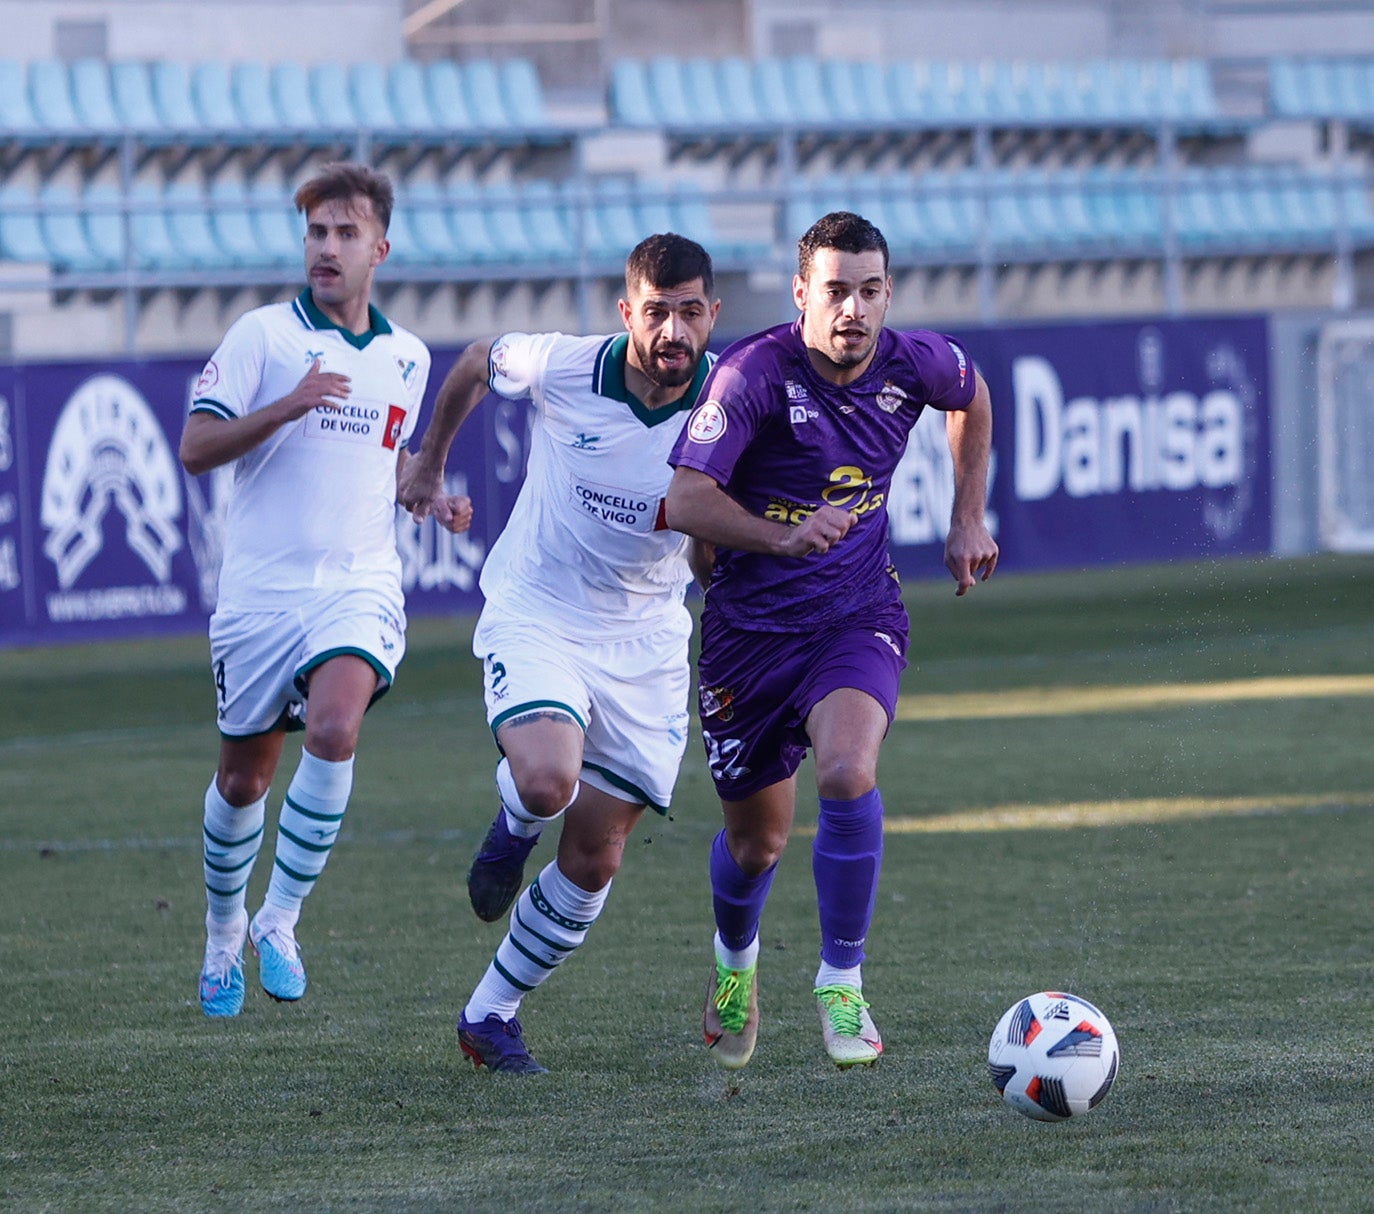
{"points": [[756, 690]]}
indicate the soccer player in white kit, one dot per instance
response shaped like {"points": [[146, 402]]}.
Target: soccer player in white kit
{"points": [[313, 402], [584, 633]]}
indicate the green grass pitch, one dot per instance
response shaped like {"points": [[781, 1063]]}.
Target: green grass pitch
{"points": [[1208, 728]]}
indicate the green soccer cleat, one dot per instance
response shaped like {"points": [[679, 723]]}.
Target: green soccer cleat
{"points": [[851, 1037], [730, 1021]]}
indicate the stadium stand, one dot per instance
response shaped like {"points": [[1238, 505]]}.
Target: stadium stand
{"points": [[982, 164]]}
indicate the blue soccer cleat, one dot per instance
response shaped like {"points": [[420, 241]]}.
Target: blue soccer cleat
{"points": [[221, 976], [279, 960], [498, 870], [497, 1045]]}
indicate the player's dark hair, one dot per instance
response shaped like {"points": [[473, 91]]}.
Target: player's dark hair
{"points": [[343, 181], [668, 260], [842, 231]]}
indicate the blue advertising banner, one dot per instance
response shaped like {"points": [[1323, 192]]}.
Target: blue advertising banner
{"points": [[1114, 442]]}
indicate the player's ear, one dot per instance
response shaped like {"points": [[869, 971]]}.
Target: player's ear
{"points": [[380, 251], [626, 312], [799, 292]]}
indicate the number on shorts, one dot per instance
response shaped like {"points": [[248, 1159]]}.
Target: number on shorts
{"points": [[219, 681], [722, 755]]}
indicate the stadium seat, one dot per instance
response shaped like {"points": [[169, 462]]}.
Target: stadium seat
{"points": [[410, 97], [329, 90], [856, 93], [280, 230], [250, 88], [429, 229], [21, 237], [668, 93], [289, 86], [523, 94], [770, 86], [806, 90], [468, 221], [231, 222], [213, 96], [103, 213], [64, 232], [190, 229], [171, 87], [446, 98], [51, 95], [93, 97], [630, 103], [701, 84], [154, 248], [546, 223], [16, 111], [505, 219], [367, 87], [131, 87], [482, 91], [738, 98]]}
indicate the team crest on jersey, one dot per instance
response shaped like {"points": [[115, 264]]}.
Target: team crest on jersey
{"points": [[406, 366], [395, 420], [708, 422], [718, 702], [891, 398]]}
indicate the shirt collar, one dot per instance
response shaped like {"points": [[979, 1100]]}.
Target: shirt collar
{"points": [[312, 318], [608, 379]]}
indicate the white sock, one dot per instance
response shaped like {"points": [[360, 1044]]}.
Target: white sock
{"points": [[737, 958], [520, 821], [833, 975], [231, 836], [311, 817], [549, 922]]}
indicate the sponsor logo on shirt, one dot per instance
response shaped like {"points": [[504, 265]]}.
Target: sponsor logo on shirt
{"points": [[795, 391], [961, 360], [622, 509], [357, 423], [395, 419], [586, 442], [891, 398], [797, 414], [708, 422]]}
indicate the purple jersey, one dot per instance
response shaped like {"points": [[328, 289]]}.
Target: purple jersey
{"points": [[783, 441]]}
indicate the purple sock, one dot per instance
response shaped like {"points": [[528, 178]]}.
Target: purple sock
{"points": [[846, 859], [737, 897]]}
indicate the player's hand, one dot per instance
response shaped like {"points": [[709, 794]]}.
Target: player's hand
{"points": [[317, 388], [819, 532], [420, 489], [452, 511], [970, 554]]}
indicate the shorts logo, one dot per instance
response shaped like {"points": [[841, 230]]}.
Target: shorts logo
{"points": [[718, 702], [708, 422], [891, 398], [889, 642], [208, 378], [395, 419]]}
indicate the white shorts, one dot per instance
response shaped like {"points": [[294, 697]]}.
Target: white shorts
{"points": [[629, 698], [261, 659]]}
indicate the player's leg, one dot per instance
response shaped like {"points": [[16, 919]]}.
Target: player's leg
{"points": [[232, 825], [846, 727], [340, 689], [550, 922], [537, 779]]}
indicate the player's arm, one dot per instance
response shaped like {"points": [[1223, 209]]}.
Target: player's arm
{"points": [[421, 488], [209, 441], [699, 507], [970, 550], [458, 515]]}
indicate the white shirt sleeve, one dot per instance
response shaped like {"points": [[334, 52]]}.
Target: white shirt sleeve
{"points": [[229, 384], [518, 363]]}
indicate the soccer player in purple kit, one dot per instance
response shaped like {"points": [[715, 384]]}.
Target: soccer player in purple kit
{"points": [[785, 469]]}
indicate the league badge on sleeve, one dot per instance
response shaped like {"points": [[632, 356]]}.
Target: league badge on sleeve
{"points": [[708, 422]]}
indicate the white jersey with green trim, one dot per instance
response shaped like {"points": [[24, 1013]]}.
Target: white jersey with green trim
{"points": [[314, 506], [586, 551]]}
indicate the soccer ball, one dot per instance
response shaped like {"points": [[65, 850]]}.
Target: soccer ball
{"points": [[1053, 1056]]}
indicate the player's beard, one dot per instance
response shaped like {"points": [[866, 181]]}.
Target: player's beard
{"points": [[668, 377]]}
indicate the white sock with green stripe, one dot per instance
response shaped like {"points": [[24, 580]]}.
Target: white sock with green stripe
{"points": [[231, 836], [549, 921], [310, 820]]}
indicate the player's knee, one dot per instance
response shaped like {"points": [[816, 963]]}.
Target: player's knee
{"points": [[591, 870], [331, 740], [758, 853], [242, 788], [544, 793], [845, 777]]}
